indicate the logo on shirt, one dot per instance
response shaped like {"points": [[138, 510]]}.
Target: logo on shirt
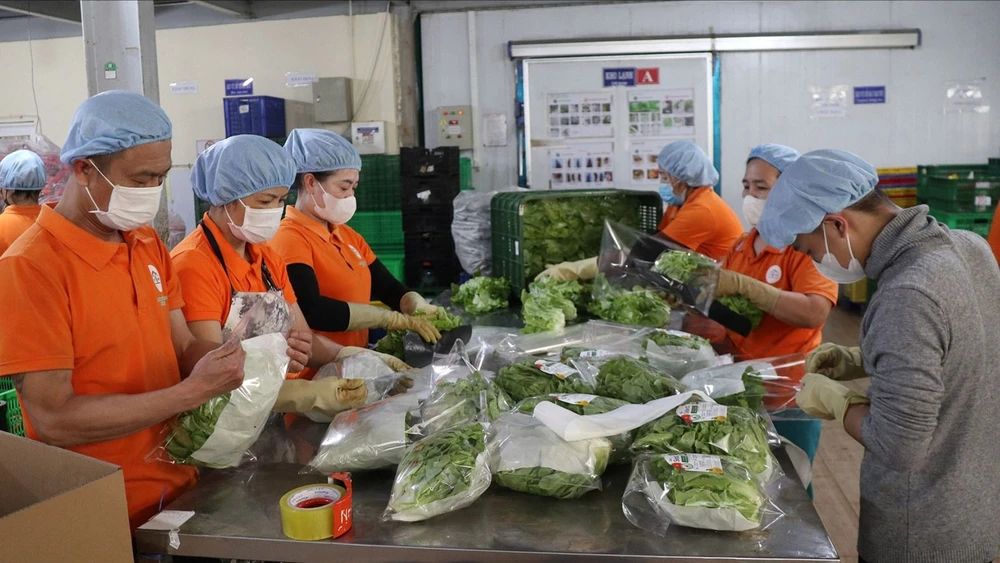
{"points": [[157, 281], [361, 260], [773, 274]]}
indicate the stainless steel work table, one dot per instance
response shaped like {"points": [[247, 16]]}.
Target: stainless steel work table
{"points": [[237, 516]]}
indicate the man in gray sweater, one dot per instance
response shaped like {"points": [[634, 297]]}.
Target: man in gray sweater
{"points": [[930, 479]]}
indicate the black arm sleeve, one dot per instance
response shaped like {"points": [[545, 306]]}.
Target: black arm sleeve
{"points": [[385, 287], [322, 313]]}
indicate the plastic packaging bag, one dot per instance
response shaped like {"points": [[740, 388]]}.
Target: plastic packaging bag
{"points": [[471, 229], [218, 433], [628, 379], [371, 437], [769, 382], [679, 353], [57, 174], [586, 405], [697, 491], [528, 377], [381, 381], [532, 459], [441, 473], [710, 428]]}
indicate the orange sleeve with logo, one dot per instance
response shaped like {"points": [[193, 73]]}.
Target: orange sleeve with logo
{"points": [[206, 292], [806, 279], [171, 282], [361, 244], [43, 339], [994, 239]]}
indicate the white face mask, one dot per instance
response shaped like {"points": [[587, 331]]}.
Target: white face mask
{"points": [[832, 269], [752, 209], [337, 211], [259, 225], [128, 208]]}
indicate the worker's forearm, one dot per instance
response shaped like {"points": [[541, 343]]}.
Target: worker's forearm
{"points": [[193, 353], [324, 351], [853, 419], [801, 310]]}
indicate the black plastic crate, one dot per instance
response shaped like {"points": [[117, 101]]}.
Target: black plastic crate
{"points": [[442, 162], [432, 274], [425, 194], [428, 219], [430, 244]]}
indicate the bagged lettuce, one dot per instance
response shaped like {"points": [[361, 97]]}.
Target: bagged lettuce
{"points": [[461, 401], [529, 377], [532, 459], [770, 383], [632, 380], [584, 404]]}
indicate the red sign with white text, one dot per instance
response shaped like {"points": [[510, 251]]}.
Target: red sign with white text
{"points": [[645, 76]]}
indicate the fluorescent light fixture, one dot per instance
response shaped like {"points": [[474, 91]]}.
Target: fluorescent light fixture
{"points": [[248, 81]]}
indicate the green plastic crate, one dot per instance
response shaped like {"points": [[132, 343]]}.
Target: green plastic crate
{"points": [[465, 173], [394, 262], [978, 223], [383, 230], [514, 257], [960, 192], [15, 419], [378, 183]]}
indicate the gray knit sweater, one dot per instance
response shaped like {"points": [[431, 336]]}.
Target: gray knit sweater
{"points": [[930, 479]]}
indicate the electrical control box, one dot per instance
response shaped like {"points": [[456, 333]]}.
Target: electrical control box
{"points": [[452, 126], [368, 137], [332, 100]]}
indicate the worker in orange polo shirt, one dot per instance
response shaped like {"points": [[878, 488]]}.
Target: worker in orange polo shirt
{"points": [[93, 333], [22, 177], [333, 270], [229, 274], [696, 217], [994, 238]]}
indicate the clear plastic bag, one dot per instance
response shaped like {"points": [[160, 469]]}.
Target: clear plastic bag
{"points": [[371, 437], [583, 404], [470, 228], [219, 433], [441, 473], [530, 376], [532, 459], [679, 353], [57, 174], [628, 379], [381, 381], [710, 428], [768, 382], [696, 491]]}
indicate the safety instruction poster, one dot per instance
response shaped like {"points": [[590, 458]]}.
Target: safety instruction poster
{"points": [[582, 166], [661, 113], [580, 116]]}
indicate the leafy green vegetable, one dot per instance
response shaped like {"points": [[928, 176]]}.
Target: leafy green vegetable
{"points": [[459, 402], [677, 339], [683, 266], [192, 429], [743, 307], [545, 313], [441, 473], [525, 378], [753, 393], [630, 380], [741, 434], [392, 342], [546, 482], [481, 295], [570, 290], [638, 306], [586, 405], [568, 228], [733, 488]]}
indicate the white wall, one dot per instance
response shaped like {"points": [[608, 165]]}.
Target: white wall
{"points": [[765, 96]]}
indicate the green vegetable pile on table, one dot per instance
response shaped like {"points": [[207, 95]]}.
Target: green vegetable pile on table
{"points": [[192, 429], [523, 379], [684, 266], [392, 342], [638, 306], [440, 473], [481, 295], [752, 396], [454, 403], [634, 381], [564, 229], [742, 435], [743, 307], [734, 488], [675, 339]]}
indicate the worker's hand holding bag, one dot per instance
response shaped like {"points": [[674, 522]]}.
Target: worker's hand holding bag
{"points": [[840, 363]]}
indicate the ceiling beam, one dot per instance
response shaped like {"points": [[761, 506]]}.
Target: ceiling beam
{"points": [[67, 11], [239, 8]]}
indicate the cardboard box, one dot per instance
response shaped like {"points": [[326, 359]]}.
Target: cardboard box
{"points": [[57, 505]]}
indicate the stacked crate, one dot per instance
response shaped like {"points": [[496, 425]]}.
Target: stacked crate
{"points": [[379, 218], [430, 180], [900, 184], [962, 196]]}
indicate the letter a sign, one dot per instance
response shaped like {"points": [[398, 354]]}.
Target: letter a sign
{"points": [[646, 76]]}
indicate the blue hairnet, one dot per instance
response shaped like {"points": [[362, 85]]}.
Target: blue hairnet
{"points": [[22, 170], [778, 156], [818, 183], [319, 150], [114, 121], [240, 166], [686, 161]]}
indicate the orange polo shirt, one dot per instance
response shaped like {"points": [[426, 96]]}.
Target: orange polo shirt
{"points": [[340, 258], [206, 288], [994, 238], [74, 302], [15, 220], [787, 270], [704, 224]]}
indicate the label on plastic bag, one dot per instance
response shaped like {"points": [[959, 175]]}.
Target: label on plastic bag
{"points": [[702, 412], [558, 369], [586, 354], [698, 463], [579, 399]]}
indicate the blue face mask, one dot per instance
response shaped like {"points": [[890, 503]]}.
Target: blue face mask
{"points": [[668, 197]]}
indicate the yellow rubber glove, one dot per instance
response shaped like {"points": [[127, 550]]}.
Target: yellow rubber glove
{"points": [[569, 271], [759, 293], [393, 362], [327, 396], [413, 303], [824, 398], [840, 363], [367, 316]]}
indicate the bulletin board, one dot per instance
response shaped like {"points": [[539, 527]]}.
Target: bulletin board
{"points": [[600, 122]]}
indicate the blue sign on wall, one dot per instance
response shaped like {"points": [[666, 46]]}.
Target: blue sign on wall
{"points": [[619, 77], [239, 87], [869, 94]]}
